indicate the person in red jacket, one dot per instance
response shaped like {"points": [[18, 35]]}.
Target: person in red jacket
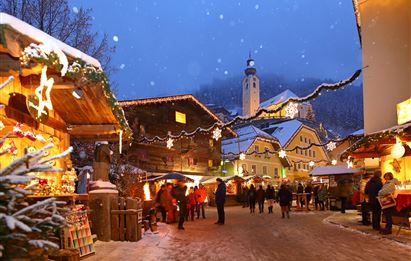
{"points": [[201, 195], [191, 204]]}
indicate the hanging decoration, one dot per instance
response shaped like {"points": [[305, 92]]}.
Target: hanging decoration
{"points": [[242, 156], [40, 92], [398, 149], [282, 154], [311, 163], [4, 84], [292, 110], [78, 69], [217, 134], [331, 146], [313, 95], [334, 162], [170, 142], [18, 131], [349, 163]]}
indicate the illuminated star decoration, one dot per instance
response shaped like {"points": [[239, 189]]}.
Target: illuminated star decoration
{"points": [[282, 154], [170, 142], [291, 110], [48, 83], [334, 162], [242, 156], [217, 133], [331, 146], [311, 163]]}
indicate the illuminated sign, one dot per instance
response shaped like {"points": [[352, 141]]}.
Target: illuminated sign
{"points": [[180, 117], [404, 111]]}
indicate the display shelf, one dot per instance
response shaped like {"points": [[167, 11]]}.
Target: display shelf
{"points": [[78, 235]]}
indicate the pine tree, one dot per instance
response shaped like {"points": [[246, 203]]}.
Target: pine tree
{"points": [[28, 230]]}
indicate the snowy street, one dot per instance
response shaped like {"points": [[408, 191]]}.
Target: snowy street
{"points": [[255, 237]]}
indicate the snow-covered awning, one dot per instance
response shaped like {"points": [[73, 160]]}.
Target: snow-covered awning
{"points": [[333, 170], [225, 179]]}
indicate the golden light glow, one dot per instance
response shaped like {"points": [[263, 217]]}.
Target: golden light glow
{"points": [[146, 188], [404, 111], [180, 117]]}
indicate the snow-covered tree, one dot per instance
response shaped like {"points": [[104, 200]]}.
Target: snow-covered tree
{"points": [[28, 230]]}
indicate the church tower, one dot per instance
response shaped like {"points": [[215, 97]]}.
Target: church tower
{"points": [[251, 89]]}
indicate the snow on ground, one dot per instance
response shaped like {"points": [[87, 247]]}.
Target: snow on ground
{"points": [[255, 237]]}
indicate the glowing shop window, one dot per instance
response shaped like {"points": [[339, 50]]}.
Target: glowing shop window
{"points": [[180, 117]]}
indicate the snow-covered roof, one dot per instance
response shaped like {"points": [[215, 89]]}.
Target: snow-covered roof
{"points": [[41, 37], [284, 131], [247, 136], [333, 170], [359, 132], [282, 97]]}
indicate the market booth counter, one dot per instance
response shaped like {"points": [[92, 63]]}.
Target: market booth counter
{"points": [[51, 93]]}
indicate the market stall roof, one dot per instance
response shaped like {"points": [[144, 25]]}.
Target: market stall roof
{"points": [[333, 170], [95, 114], [175, 176], [379, 143], [225, 179]]}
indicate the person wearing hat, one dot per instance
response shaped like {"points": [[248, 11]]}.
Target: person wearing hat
{"points": [[220, 200]]}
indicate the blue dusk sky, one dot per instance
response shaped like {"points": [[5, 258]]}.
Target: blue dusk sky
{"points": [[169, 47]]}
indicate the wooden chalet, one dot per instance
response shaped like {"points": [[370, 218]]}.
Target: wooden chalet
{"points": [[197, 154], [75, 101]]}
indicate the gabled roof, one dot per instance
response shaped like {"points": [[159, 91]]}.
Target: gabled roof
{"points": [[284, 131], [174, 98], [282, 97], [246, 137], [333, 170]]}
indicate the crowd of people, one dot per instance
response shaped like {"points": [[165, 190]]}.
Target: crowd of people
{"points": [[172, 200]]}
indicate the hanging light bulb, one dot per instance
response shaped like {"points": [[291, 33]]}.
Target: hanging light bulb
{"points": [[398, 149]]}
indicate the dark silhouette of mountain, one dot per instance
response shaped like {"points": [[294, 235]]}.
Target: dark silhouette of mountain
{"points": [[340, 111]]}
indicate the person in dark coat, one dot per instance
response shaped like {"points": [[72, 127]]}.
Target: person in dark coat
{"points": [[179, 193], [251, 198], [284, 198], [308, 190], [270, 198], [371, 189], [244, 196], [315, 195], [260, 197], [220, 200]]}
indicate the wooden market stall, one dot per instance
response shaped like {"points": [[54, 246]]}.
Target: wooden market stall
{"points": [[233, 189], [50, 93]]}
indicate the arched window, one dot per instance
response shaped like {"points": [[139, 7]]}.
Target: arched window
{"points": [[254, 85]]}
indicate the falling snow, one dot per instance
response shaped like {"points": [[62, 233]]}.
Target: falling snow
{"points": [[75, 10], [152, 83], [221, 16], [115, 38]]}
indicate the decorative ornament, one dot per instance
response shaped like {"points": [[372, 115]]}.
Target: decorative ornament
{"points": [[2, 125], [331, 146], [396, 165], [349, 163], [398, 149], [242, 156], [217, 133], [48, 84], [170, 142], [13, 148], [40, 138], [334, 162], [311, 164], [292, 110], [282, 154], [17, 131], [29, 135]]}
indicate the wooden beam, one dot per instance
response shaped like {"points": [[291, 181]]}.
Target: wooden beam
{"points": [[90, 130]]}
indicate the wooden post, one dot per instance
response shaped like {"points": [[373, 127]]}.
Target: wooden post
{"points": [[115, 222], [132, 221], [122, 219]]}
